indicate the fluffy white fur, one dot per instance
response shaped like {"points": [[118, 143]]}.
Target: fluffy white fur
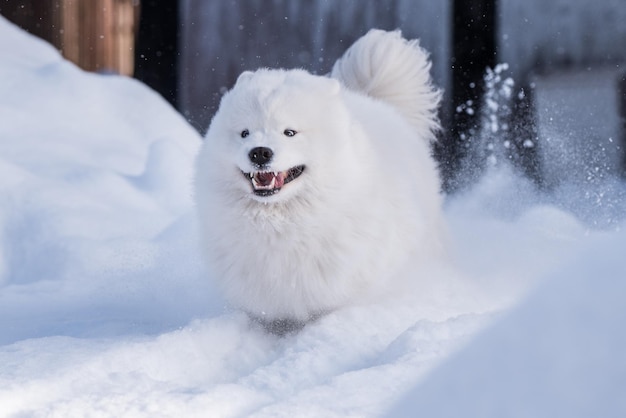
{"points": [[367, 202]]}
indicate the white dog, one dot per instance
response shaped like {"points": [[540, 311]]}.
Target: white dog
{"points": [[313, 191]]}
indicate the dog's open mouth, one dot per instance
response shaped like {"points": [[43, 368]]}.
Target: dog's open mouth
{"points": [[267, 183]]}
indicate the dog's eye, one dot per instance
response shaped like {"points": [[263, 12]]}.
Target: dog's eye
{"points": [[289, 132], [244, 133]]}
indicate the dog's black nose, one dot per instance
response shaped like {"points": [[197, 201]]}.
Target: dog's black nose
{"points": [[261, 155]]}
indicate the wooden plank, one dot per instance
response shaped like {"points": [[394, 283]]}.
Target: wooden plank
{"points": [[99, 35]]}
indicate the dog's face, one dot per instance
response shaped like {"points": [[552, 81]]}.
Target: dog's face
{"points": [[275, 132]]}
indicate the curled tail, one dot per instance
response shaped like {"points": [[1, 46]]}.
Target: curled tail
{"points": [[385, 66]]}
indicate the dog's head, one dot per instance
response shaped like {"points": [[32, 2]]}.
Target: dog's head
{"points": [[275, 133]]}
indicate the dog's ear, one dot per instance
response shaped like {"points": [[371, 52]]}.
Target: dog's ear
{"points": [[246, 75]]}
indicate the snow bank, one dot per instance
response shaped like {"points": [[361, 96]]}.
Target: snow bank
{"points": [[93, 169], [105, 309], [560, 353]]}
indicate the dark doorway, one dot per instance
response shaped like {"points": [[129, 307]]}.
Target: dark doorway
{"points": [[156, 56], [473, 50]]}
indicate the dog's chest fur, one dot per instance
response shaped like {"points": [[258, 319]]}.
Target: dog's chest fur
{"points": [[289, 257]]}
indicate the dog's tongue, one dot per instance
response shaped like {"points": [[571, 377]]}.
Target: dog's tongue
{"points": [[264, 179]]}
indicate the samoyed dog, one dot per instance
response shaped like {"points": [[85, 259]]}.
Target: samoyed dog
{"points": [[312, 191]]}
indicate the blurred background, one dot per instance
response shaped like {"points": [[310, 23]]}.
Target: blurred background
{"points": [[561, 95]]}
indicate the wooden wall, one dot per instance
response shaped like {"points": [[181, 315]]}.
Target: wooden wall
{"points": [[220, 39], [97, 35]]}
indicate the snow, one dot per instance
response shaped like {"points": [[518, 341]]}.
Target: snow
{"points": [[590, 133], [105, 309], [560, 353]]}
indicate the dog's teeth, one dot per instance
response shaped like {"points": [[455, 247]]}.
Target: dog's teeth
{"points": [[251, 175]]}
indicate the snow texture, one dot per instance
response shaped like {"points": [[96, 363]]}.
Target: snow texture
{"points": [[105, 309], [578, 111]]}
